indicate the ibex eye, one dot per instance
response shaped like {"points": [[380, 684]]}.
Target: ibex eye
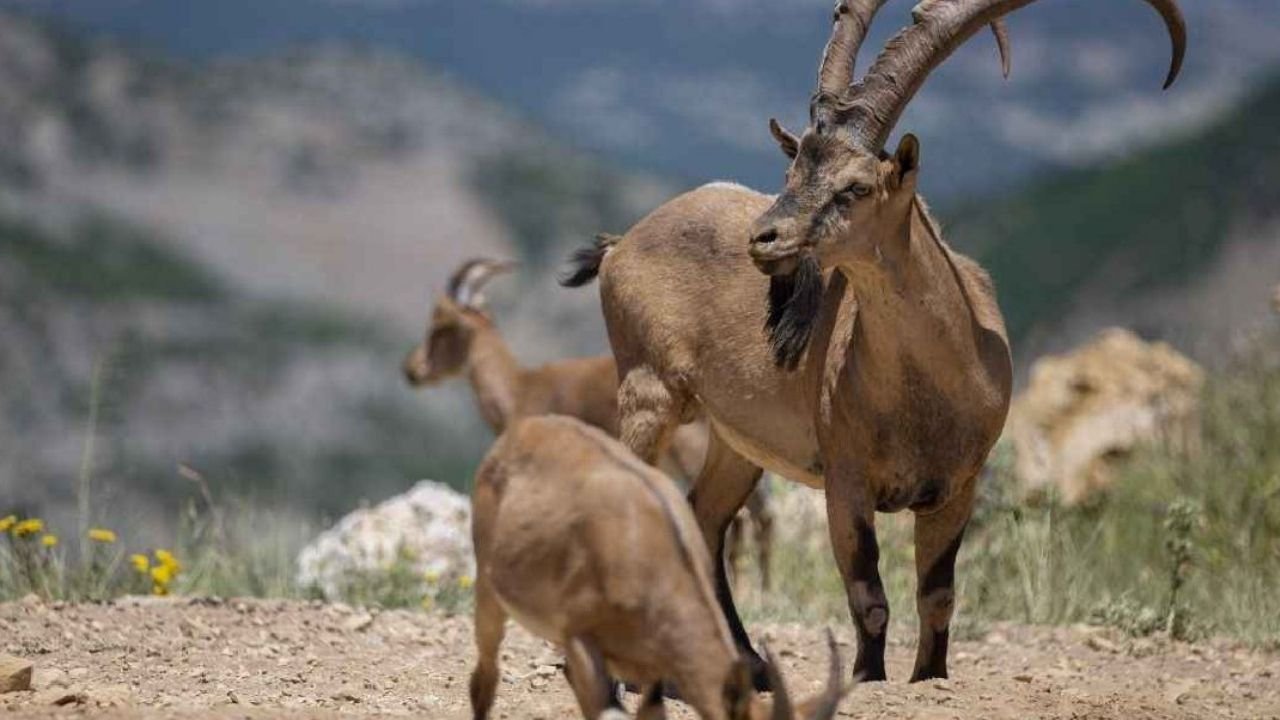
{"points": [[856, 190]]}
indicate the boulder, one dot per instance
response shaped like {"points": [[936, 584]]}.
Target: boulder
{"points": [[15, 674], [1083, 411], [427, 530]]}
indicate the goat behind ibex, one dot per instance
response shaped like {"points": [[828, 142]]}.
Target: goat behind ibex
{"points": [[589, 548], [462, 338], [885, 373]]}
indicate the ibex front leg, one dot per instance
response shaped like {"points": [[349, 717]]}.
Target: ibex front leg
{"points": [[938, 536], [852, 519]]}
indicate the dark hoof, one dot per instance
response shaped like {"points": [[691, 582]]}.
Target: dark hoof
{"points": [[870, 672], [760, 674], [929, 674]]}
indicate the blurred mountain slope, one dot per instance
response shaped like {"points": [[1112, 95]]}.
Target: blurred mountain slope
{"points": [[241, 252], [683, 86], [1180, 242], [356, 176]]}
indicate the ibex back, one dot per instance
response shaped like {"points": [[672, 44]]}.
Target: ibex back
{"points": [[590, 548]]}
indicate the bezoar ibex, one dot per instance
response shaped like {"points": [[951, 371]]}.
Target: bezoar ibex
{"points": [[885, 373], [461, 337], [591, 549]]}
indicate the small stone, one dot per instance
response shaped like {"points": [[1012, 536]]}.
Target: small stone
{"points": [[1023, 677], [15, 674], [47, 678], [1101, 644], [58, 697], [358, 623]]}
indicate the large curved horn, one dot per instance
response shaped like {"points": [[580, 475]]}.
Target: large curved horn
{"points": [[470, 277], [850, 23], [825, 709], [781, 701], [942, 26]]}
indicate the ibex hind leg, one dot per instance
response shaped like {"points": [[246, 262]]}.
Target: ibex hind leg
{"points": [[584, 665], [938, 536], [762, 521], [490, 627], [722, 488], [648, 413]]}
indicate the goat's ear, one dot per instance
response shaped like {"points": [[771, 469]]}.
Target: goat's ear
{"points": [[907, 160], [789, 143]]}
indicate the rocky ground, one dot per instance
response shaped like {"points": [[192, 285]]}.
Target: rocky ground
{"points": [[260, 658]]}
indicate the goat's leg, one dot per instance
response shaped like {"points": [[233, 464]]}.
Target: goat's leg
{"points": [[722, 487], [938, 536], [652, 708], [584, 665], [490, 627], [853, 540], [762, 520], [648, 413], [733, 546]]}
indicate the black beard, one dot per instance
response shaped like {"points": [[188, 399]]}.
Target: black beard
{"points": [[794, 302]]}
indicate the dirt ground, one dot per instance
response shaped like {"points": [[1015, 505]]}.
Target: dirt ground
{"points": [[253, 658]]}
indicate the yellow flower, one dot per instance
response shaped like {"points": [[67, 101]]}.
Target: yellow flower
{"points": [[159, 590], [166, 559], [465, 582], [49, 541], [140, 563], [28, 527], [162, 575], [428, 603], [102, 535], [8, 522], [432, 576]]}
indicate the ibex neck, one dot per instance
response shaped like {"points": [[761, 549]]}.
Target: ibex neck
{"points": [[495, 378]]}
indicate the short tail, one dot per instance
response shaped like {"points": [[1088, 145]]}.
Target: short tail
{"points": [[584, 263]]}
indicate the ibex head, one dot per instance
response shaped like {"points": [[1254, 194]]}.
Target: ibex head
{"points": [[459, 313], [843, 192]]}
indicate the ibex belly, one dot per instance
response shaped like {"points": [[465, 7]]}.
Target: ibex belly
{"points": [[791, 454]]}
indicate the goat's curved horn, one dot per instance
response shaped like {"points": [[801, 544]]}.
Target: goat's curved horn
{"points": [[825, 709], [470, 277], [850, 23], [781, 701], [942, 26]]}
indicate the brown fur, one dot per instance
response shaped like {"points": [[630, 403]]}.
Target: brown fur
{"points": [[597, 552], [895, 405]]}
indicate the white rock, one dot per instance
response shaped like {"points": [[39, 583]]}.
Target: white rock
{"points": [[428, 527]]}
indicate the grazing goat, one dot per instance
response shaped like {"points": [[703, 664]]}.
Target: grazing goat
{"points": [[589, 548], [884, 373], [462, 337]]}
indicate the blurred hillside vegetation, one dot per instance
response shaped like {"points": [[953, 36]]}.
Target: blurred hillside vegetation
{"points": [[218, 267]]}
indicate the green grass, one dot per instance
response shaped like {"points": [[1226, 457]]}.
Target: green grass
{"points": [[1188, 545]]}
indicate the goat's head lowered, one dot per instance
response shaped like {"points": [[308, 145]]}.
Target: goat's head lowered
{"points": [[843, 192], [459, 313]]}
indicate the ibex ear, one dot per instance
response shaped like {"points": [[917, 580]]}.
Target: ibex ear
{"points": [[907, 160], [788, 142]]}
